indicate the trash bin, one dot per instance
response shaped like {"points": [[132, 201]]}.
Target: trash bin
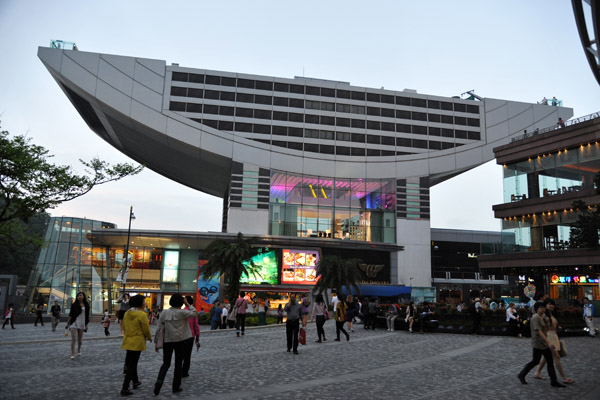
{"points": [[262, 319]]}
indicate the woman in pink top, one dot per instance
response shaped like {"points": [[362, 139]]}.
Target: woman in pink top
{"points": [[240, 318], [189, 344]]}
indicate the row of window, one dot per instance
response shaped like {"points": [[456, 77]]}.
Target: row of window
{"points": [[320, 91], [322, 119], [360, 151], [230, 126]]}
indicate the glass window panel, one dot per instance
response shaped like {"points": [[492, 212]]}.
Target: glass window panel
{"points": [[359, 192], [343, 193]]}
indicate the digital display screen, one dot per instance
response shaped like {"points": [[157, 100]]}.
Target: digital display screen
{"points": [[171, 266], [299, 266], [266, 271]]}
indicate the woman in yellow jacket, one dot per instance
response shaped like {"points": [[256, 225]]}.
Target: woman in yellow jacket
{"points": [[136, 332], [340, 318]]}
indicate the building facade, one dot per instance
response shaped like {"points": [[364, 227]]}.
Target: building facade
{"points": [[543, 175], [300, 157]]}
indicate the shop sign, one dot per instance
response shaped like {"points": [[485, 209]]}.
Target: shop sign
{"points": [[573, 279], [299, 266]]}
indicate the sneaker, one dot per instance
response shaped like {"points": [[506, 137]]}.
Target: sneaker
{"points": [[72, 357], [126, 392], [336, 340], [79, 354]]}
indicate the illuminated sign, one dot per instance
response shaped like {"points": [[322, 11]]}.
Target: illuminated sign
{"points": [[171, 266], [299, 266], [267, 269], [573, 279]]}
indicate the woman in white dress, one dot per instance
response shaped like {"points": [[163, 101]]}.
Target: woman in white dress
{"points": [[552, 338]]}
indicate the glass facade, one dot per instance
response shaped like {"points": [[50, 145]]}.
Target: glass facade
{"points": [[68, 264], [317, 206], [554, 174]]}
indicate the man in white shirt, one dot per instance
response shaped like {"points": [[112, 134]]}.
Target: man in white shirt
{"points": [[334, 301]]}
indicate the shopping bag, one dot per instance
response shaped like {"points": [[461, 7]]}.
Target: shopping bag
{"points": [[302, 336]]}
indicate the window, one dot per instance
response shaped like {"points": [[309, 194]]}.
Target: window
{"points": [[446, 106], [460, 134], [472, 109], [327, 93], [259, 128], [327, 106], [374, 97], [358, 95], [326, 149], [313, 90], [342, 151], [179, 76], [224, 110], [474, 135], [343, 136], [280, 130], [433, 104], [358, 123], [345, 108], [460, 121], [388, 99], [194, 108], [227, 96], [434, 117], [312, 105], [446, 145], [297, 89], [460, 107], [374, 111], [419, 103], [225, 126], [405, 128], [419, 130], [447, 119], [296, 132], [374, 139], [211, 123], [298, 103], [405, 142], [342, 121], [389, 141], [327, 135], [402, 101], [434, 131], [358, 137], [385, 153], [258, 99], [295, 146], [375, 125], [402, 114], [373, 152], [211, 94], [388, 112], [388, 126], [211, 109], [264, 85], [196, 78], [227, 81], [343, 94], [245, 98], [178, 91], [176, 106], [311, 119], [245, 83], [281, 101], [311, 133], [327, 120], [419, 116], [473, 122], [279, 143], [280, 116], [357, 109], [262, 114], [446, 132], [243, 112], [420, 144], [312, 147], [213, 80], [357, 152], [195, 93], [282, 87], [433, 145], [243, 127]]}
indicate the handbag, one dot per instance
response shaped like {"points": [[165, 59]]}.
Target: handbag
{"points": [[302, 336], [562, 352], [160, 337], [326, 314]]}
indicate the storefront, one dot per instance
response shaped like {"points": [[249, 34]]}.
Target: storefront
{"points": [[574, 287]]}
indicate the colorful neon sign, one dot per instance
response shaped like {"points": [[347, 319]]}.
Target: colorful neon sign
{"points": [[573, 279]]}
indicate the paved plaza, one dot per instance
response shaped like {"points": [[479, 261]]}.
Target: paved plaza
{"points": [[35, 363]]}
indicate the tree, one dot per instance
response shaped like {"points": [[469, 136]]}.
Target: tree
{"points": [[30, 185], [585, 233], [335, 272], [231, 260]]}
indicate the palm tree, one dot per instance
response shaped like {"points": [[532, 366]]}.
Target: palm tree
{"points": [[231, 260], [335, 272]]}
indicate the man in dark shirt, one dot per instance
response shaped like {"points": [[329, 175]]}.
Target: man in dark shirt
{"points": [[292, 325], [541, 345], [426, 314], [55, 315]]}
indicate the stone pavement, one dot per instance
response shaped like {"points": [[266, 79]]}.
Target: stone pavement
{"points": [[35, 363]]}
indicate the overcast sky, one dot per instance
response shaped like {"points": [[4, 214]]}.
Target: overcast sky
{"points": [[514, 50]]}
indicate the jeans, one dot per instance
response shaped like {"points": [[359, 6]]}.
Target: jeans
{"points": [[589, 322], [131, 362], [168, 349], [320, 323], [240, 323], [55, 321], [339, 327], [537, 356], [187, 356], [214, 324], [292, 327], [390, 321]]}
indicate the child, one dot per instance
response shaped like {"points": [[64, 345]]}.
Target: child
{"points": [[279, 314], [106, 322]]}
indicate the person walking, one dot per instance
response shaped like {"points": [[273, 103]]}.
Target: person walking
{"points": [[280, 314], [292, 324], [364, 310], [241, 304], [39, 310], [136, 330], [373, 313], [392, 314], [552, 338], [173, 326], [340, 320], [77, 323], [588, 316], [305, 303], [106, 323], [350, 312], [319, 311], [55, 315], [9, 315], [411, 312], [224, 317], [123, 307], [215, 315], [541, 346], [189, 344]]}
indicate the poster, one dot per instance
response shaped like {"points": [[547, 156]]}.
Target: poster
{"points": [[267, 269], [207, 291], [299, 266]]}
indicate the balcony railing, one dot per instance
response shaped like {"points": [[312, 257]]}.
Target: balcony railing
{"points": [[59, 44], [570, 122]]}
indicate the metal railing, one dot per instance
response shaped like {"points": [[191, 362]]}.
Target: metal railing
{"points": [[60, 44], [570, 122]]}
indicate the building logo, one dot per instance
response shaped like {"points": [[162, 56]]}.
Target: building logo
{"points": [[371, 270]]}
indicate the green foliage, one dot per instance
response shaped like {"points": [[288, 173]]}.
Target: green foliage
{"points": [[335, 272], [585, 232], [30, 184], [226, 259]]}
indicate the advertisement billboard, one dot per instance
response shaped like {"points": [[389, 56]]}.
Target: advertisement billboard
{"points": [[299, 267], [267, 269], [207, 291]]}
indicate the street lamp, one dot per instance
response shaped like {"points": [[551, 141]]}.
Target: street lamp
{"points": [[126, 267]]}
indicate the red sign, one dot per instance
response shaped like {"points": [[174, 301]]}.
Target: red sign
{"points": [[299, 267]]}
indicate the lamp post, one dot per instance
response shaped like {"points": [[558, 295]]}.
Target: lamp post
{"points": [[126, 267]]}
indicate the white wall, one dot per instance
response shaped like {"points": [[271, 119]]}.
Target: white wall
{"points": [[415, 260], [248, 221]]}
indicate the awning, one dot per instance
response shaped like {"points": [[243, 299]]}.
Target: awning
{"points": [[382, 290]]}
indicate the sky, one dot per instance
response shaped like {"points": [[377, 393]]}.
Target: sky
{"points": [[514, 50]]}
